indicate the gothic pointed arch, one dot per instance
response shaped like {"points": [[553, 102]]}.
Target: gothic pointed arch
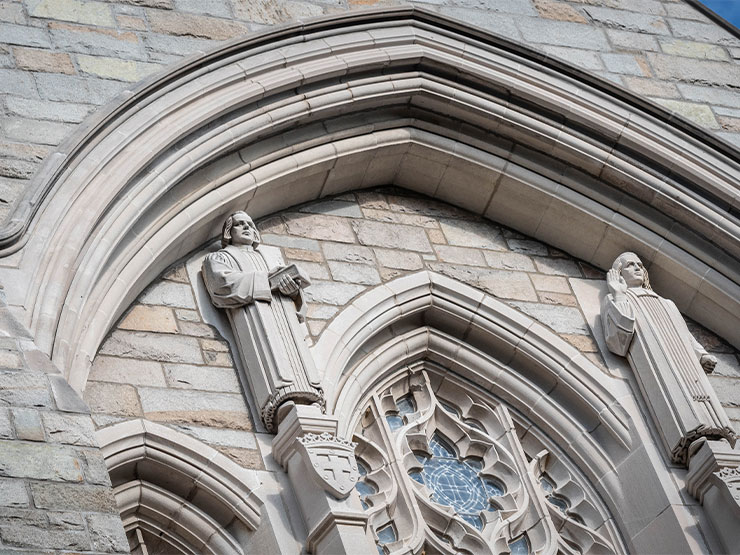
{"points": [[402, 97], [178, 494], [404, 356]]}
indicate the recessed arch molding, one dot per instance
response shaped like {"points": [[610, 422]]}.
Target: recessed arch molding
{"points": [[399, 96]]}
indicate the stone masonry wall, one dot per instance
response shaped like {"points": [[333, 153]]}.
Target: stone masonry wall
{"points": [[163, 363], [55, 493], [60, 60]]}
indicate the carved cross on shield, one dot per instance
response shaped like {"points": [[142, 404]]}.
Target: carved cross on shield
{"points": [[332, 460]]}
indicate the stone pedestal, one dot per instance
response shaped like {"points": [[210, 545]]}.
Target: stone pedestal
{"points": [[714, 479], [323, 471]]}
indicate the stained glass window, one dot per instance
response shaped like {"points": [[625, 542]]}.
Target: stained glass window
{"points": [[456, 482]]}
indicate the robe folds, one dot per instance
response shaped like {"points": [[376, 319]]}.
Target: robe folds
{"points": [[665, 357], [265, 325]]}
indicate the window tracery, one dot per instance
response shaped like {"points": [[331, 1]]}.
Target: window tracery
{"points": [[444, 471]]}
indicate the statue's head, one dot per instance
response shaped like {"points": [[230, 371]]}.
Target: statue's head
{"points": [[239, 229], [630, 267]]}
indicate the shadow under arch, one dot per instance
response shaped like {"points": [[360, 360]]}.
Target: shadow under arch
{"points": [[178, 490], [396, 327], [396, 96]]}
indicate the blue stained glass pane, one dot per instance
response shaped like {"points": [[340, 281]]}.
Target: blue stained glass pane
{"points": [[386, 534], [365, 489], [494, 489], [394, 422], [475, 424], [406, 405], [547, 485], [559, 502], [365, 506], [416, 476], [449, 408], [421, 457], [361, 469], [440, 448], [473, 520], [519, 546], [381, 551]]}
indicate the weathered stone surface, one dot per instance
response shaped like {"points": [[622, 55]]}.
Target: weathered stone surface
{"points": [[6, 428], [315, 271], [321, 312], [225, 438], [401, 260], [403, 237], [550, 283], [187, 315], [557, 298], [194, 25], [316, 226], [473, 234], [93, 13], [460, 255], [557, 266], [692, 49], [629, 40], [586, 59], [24, 390], [150, 318], [96, 41], [400, 218], [114, 68], [95, 470], [703, 32], [291, 242], [563, 33], [707, 72], [153, 346], [70, 88], [248, 458], [727, 365], [625, 64], [118, 399], [508, 285], [334, 208], [698, 113], [218, 358], [629, 21], [207, 378], [330, 292], [35, 131], [300, 254], [70, 429], [348, 253], [156, 400], [214, 345], [106, 533], [32, 59], [583, 343], [39, 461], [354, 273], [81, 497], [197, 329], [13, 493], [66, 398], [57, 111], [560, 11], [24, 36], [651, 87], [561, 319], [34, 537], [27, 424]]}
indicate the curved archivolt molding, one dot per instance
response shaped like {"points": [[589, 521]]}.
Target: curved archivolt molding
{"points": [[399, 97], [178, 489], [430, 322]]}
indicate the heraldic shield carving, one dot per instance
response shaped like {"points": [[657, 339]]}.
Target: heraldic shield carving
{"points": [[332, 459]]}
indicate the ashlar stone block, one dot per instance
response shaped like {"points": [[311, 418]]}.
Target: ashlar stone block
{"points": [[378, 234]]}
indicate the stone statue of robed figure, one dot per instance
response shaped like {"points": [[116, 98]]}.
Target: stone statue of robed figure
{"points": [[264, 306], [669, 363]]}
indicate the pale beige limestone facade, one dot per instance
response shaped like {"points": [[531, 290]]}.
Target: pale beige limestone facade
{"points": [[484, 261]]}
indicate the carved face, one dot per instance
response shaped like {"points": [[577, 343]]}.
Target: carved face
{"points": [[633, 272], [243, 230]]}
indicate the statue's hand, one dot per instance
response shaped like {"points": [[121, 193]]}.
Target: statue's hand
{"points": [[616, 283], [287, 286], [708, 362]]}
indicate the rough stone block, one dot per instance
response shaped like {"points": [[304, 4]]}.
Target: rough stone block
{"points": [[727, 389], [473, 234], [197, 329], [290, 242], [131, 22], [153, 346], [13, 493], [622, 63], [563, 33], [16, 82], [557, 266], [24, 35], [629, 40], [303, 255], [698, 113], [26, 536], [348, 253], [95, 471], [118, 399], [509, 261], [207, 378], [12, 13], [314, 270], [628, 21], [114, 68], [346, 209], [225, 438], [176, 45], [106, 533], [586, 59], [560, 11], [6, 428], [66, 398], [57, 111], [10, 359], [69, 88], [32, 59], [316, 226], [354, 273], [77, 496], [70, 429], [199, 26], [39, 461], [460, 255], [27, 424], [35, 131], [330, 292], [418, 220], [561, 319], [651, 87], [187, 315], [552, 284], [691, 49], [508, 285], [704, 32], [248, 458], [150, 318], [214, 345], [93, 13], [218, 359], [706, 72], [557, 298], [24, 390], [96, 41], [400, 260]]}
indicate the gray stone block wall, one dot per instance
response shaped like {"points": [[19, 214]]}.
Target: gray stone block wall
{"points": [[55, 493], [163, 363], [61, 60]]}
